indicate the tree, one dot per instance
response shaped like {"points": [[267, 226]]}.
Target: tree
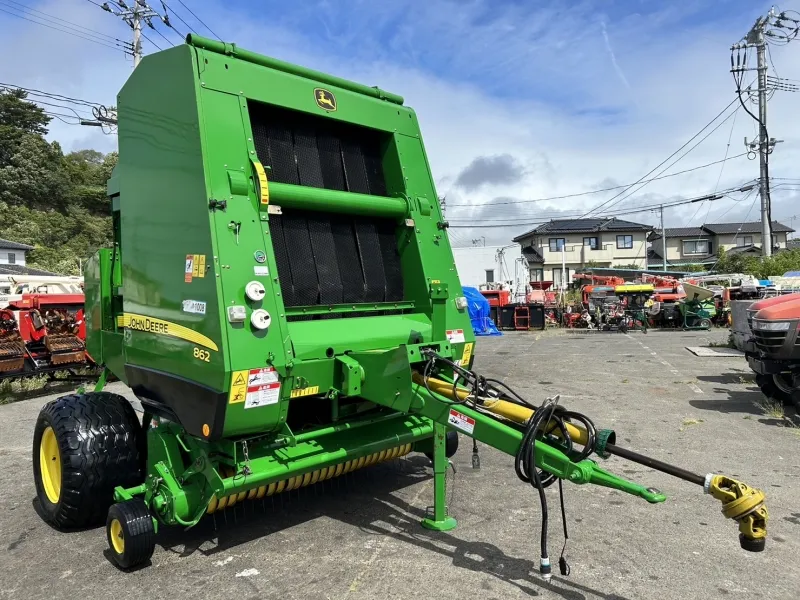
{"points": [[55, 203], [17, 118]]}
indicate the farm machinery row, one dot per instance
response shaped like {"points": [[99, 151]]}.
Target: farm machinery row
{"points": [[42, 325], [609, 302]]}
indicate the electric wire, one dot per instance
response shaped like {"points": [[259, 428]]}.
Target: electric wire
{"points": [[67, 31], [608, 189], [57, 20], [199, 20], [168, 24], [625, 195], [723, 111]]}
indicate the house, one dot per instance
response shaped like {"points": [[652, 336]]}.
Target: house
{"points": [[701, 245], [12, 259], [575, 243]]}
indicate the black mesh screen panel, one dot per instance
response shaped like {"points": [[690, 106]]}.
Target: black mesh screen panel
{"points": [[301, 259], [326, 258], [282, 259], [350, 271], [391, 261], [324, 251], [370, 249], [354, 169]]}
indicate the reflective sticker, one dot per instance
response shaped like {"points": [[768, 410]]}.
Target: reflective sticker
{"points": [[309, 391], [263, 184]]}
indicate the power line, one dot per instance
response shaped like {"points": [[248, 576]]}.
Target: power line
{"points": [[57, 20], [170, 25], [608, 189], [617, 199], [67, 31], [620, 212], [199, 19]]}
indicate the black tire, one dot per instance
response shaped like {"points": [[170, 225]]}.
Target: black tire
{"points": [[705, 323], [131, 533], [766, 384], [99, 447]]}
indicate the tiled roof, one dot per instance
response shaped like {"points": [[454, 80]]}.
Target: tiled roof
{"points": [[585, 226], [14, 245], [751, 227], [680, 232], [22, 270], [532, 254]]}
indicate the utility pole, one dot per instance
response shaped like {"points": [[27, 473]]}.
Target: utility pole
{"points": [[763, 143], [663, 238], [777, 29], [134, 14]]}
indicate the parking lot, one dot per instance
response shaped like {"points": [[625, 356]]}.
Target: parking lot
{"points": [[359, 538]]}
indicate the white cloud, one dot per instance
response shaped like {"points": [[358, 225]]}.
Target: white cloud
{"points": [[533, 83]]}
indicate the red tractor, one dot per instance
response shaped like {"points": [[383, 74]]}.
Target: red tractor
{"points": [[774, 353], [41, 333]]}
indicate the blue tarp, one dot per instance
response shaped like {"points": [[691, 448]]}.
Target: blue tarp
{"points": [[478, 308]]}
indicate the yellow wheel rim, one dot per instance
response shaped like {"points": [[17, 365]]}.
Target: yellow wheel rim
{"points": [[50, 465], [117, 537]]}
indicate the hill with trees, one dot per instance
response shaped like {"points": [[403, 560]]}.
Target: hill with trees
{"points": [[52, 201]]}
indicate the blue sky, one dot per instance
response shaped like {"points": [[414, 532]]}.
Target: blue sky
{"points": [[571, 96]]}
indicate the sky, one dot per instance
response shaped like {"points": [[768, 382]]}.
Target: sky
{"points": [[517, 100]]}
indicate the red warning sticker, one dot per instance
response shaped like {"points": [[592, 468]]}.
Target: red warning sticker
{"points": [[455, 336], [461, 421]]}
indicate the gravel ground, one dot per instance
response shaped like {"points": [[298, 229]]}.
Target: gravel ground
{"points": [[359, 538]]}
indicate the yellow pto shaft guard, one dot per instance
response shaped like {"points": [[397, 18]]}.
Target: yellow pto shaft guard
{"points": [[743, 504]]}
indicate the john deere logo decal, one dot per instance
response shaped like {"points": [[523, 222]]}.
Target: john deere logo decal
{"points": [[325, 99]]}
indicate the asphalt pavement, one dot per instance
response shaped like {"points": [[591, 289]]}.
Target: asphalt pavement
{"points": [[359, 537]]}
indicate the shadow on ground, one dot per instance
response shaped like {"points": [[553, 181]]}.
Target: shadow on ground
{"points": [[367, 500]]}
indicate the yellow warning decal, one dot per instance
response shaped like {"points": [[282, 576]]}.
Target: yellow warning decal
{"points": [[161, 327], [238, 391], [467, 355], [263, 184], [309, 391], [201, 264]]}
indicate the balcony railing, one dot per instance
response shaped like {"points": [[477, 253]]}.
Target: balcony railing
{"points": [[578, 253]]}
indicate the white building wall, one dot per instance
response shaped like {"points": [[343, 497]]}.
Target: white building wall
{"points": [[473, 262], [19, 257]]}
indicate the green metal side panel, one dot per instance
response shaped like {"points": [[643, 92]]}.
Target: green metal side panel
{"points": [[165, 217]]}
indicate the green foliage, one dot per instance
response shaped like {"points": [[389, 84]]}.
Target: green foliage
{"points": [[759, 266], [635, 266], [693, 268], [53, 202]]}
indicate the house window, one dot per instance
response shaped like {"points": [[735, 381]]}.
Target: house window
{"points": [[556, 244], [489, 275], [744, 240], [696, 247], [591, 243], [775, 242], [12, 258], [537, 274], [558, 279], [624, 242]]}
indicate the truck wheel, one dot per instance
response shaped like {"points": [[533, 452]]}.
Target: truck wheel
{"points": [[84, 445], [131, 533], [705, 324], [766, 384]]}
